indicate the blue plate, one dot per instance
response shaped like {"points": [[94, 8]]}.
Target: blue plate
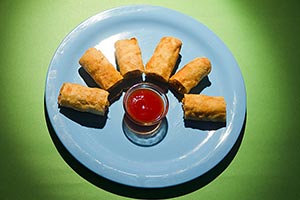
{"points": [[188, 150]]}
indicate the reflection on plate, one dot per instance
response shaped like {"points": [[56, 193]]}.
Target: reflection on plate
{"points": [[187, 150]]}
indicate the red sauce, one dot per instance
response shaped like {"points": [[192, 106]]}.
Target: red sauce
{"points": [[145, 105]]}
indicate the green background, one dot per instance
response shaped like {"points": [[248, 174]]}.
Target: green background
{"points": [[264, 38]]}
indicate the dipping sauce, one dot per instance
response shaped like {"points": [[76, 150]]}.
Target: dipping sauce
{"points": [[145, 105]]}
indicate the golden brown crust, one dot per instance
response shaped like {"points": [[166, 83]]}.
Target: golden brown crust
{"points": [[129, 58], [190, 75], [162, 63], [100, 69], [84, 99], [204, 108]]}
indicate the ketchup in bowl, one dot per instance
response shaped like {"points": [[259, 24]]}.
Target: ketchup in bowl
{"points": [[145, 104]]}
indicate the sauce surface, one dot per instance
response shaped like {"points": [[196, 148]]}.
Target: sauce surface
{"points": [[145, 105]]}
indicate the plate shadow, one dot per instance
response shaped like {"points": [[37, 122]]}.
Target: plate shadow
{"points": [[143, 193]]}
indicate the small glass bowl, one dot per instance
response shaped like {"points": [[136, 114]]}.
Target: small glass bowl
{"points": [[158, 93]]}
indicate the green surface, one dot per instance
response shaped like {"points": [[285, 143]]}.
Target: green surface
{"points": [[264, 38]]}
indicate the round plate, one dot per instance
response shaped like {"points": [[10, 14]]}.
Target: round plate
{"points": [[188, 150]]}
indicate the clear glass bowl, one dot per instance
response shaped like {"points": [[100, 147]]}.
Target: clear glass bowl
{"points": [[145, 104]]}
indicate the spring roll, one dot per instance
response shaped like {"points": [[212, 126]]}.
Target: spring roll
{"points": [[204, 108], [83, 99], [190, 75], [129, 58], [162, 63], [100, 69]]}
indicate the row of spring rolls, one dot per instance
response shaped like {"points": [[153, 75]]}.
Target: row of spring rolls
{"points": [[159, 67]]}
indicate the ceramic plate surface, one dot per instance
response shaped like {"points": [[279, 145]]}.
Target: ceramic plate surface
{"points": [[188, 150]]}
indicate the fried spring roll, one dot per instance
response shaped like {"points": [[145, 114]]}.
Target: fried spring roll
{"points": [[129, 58], [162, 63], [204, 108], [84, 99], [190, 75], [100, 69]]}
